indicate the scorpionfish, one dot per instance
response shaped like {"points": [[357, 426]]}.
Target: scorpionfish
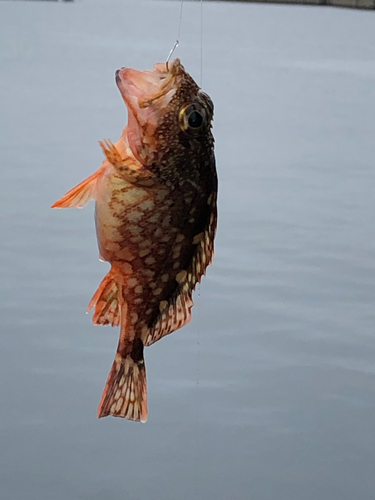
{"points": [[156, 217]]}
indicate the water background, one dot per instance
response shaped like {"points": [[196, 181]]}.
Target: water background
{"points": [[269, 394]]}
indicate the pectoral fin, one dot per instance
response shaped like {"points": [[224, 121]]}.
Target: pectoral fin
{"points": [[81, 194]]}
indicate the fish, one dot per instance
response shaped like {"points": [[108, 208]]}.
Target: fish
{"points": [[156, 219]]}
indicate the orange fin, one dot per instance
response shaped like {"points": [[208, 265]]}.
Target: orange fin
{"points": [[80, 195], [126, 166], [106, 302], [125, 393]]}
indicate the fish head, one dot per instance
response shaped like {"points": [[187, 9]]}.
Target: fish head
{"points": [[167, 112]]}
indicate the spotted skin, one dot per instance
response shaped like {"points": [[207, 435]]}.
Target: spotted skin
{"points": [[156, 216]]}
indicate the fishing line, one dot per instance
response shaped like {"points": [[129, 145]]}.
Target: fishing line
{"points": [[201, 43], [177, 42], [179, 25], [198, 416], [198, 405], [198, 341]]}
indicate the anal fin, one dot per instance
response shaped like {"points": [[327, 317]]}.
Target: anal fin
{"points": [[106, 302]]}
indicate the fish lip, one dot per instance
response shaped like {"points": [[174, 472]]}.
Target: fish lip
{"points": [[147, 85]]}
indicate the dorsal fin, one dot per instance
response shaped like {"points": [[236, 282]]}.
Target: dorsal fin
{"points": [[177, 312]]}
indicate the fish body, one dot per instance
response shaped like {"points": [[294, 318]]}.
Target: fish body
{"points": [[156, 217]]}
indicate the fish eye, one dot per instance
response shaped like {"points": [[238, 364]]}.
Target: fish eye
{"points": [[192, 117], [195, 119]]}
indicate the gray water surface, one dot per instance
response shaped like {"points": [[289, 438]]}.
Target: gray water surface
{"points": [[269, 394]]}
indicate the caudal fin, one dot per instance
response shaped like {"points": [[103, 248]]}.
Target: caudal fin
{"points": [[125, 393]]}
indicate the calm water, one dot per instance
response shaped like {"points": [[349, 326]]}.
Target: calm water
{"points": [[269, 394]]}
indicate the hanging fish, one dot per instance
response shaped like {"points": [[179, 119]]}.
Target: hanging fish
{"points": [[156, 217]]}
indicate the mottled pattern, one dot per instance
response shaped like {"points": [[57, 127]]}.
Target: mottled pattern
{"points": [[156, 220]]}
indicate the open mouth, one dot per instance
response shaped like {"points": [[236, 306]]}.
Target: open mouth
{"points": [[146, 86], [146, 95]]}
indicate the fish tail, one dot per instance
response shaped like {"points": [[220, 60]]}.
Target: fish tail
{"points": [[125, 393]]}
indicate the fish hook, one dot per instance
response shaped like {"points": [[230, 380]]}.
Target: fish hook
{"points": [[170, 53]]}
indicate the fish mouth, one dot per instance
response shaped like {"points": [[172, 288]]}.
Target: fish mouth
{"points": [[147, 95], [140, 89]]}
